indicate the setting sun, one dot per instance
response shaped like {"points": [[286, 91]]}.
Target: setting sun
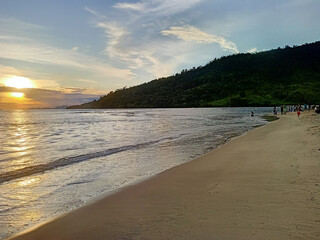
{"points": [[18, 82], [17, 94]]}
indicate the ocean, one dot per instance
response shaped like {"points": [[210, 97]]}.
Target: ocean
{"points": [[55, 161]]}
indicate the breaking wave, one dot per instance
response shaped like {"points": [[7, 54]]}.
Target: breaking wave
{"points": [[27, 171]]}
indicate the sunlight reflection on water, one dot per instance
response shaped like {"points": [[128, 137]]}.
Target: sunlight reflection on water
{"points": [[18, 142]]}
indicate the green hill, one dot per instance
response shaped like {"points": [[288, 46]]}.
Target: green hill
{"points": [[282, 76]]}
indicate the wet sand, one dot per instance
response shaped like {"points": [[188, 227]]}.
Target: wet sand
{"points": [[262, 185]]}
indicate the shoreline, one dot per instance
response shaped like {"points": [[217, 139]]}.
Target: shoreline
{"points": [[219, 195]]}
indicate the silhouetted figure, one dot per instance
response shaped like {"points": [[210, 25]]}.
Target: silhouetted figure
{"points": [[252, 114], [275, 110]]}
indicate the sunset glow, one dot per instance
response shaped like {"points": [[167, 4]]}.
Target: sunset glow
{"points": [[16, 94], [18, 82]]}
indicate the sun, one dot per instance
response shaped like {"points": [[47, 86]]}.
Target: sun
{"points": [[18, 82], [16, 94]]}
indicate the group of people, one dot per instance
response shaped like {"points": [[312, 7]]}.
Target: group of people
{"points": [[296, 108]]}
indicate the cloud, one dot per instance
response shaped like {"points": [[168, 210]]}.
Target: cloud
{"points": [[12, 29], [135, 40], [123, 49], [75, 49], [9, 25], [65, 65], [163, 7], [114, 34], [93, 12], [192, 34], [43, 56], [6, 71], [132, 6], [145, 54], [13, 38], [43, 98], [86, 81], [253, 50], [40, 80]]}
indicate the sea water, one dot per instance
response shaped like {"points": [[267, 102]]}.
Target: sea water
{"points": [[54, 161]]}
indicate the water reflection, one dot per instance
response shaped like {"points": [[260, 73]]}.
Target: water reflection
{"points": [[19, 116], [19, 200], [18, 141], [20, 205], [28, 182]]}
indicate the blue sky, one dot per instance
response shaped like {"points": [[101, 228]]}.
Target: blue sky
{"points": [[91, 47]]}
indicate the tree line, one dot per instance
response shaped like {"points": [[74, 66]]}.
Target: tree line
{"points": [[283, 76]]}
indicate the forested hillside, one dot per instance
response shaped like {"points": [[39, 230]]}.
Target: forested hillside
{"points": [[282, 76]]}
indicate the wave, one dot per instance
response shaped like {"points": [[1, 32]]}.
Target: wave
{"points": [[80, 182], [62, 162]]}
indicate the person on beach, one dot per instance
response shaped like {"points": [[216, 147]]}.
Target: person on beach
{"points": [[298, 112], [275, 110]]}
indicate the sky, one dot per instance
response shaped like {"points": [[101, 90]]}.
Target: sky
{"points": [[70, 52]]}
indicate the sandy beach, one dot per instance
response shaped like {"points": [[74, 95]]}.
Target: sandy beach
{"points": [[262, 185]]}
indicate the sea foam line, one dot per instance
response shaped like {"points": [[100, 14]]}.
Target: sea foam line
{"points": [[27, 171]]}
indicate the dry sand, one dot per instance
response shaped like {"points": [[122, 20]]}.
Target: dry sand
{"points": [[263, 185]]}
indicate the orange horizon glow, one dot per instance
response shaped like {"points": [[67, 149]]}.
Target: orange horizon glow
{"points": [[16, 99]]}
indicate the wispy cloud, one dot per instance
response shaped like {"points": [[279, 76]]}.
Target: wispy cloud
{"points": [[139, 47], [75, 49], [158, 6], [253, 50], [39, 79], [13, 38], [45, 54], [12, 29], [123, 49], [115, 34], [35, 51], [131, 6], [94, 12], [136, 41], [192, 34], [12, 24]]}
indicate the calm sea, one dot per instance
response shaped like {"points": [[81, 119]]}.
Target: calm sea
{"points": [[54, 161]]}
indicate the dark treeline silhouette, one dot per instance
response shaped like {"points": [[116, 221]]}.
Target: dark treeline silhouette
{"points": [[290, 75]]}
